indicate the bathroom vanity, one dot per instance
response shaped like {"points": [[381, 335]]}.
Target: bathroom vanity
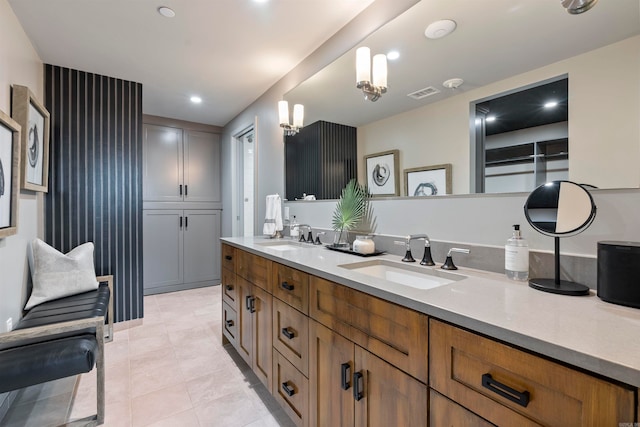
{"points": [[339, 341]]}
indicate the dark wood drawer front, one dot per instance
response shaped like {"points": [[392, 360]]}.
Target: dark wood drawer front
{"points": [[394, 333], [291, 389], [445, 413], [229, 291], [255, 269], [228, 257], [291, 335], [507, 386], [229, 323], [291, 286]]}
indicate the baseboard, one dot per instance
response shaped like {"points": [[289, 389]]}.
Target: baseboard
{"points": [[180, 287]]}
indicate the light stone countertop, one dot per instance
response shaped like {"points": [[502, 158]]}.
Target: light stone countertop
{"points": [[583, 331]]}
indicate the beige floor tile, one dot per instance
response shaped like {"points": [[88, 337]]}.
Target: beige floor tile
{"points": [[214, 386], [116, 352], [163, 376], [233, 410], [148, 345], [118, 414], [147, 330], [158, 405], [183, 419], [40, 413]]}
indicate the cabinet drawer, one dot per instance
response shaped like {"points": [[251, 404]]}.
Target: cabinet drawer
{"points": [[394, 333], [445, 413], [228, 257], [503, 384], [291, 389], [229, 291], [291, 335], [291, 286], [229, 323], [255, 269]]}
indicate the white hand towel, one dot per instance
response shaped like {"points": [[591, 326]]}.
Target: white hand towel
{"points": [[273, 216]]}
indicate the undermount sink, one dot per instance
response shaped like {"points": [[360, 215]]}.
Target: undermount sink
{"points": [[284, 245], [409, 275]]}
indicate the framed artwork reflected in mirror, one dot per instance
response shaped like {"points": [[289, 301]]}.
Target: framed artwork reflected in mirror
{"points": [[428, 180], [383, 173], [34, 120]]}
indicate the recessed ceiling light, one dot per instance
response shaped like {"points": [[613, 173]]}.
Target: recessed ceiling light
{"points": [[490, 119], [196, 99], [439, 29], [260, 1], [393, 55], [550, 104], [167, 12]]}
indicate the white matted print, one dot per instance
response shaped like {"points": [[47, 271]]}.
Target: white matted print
{"points": [[35, 121], [428, 180], [6, 178], [382, 173]]}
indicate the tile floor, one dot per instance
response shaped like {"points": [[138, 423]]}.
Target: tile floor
{"points": [[169, 369]]}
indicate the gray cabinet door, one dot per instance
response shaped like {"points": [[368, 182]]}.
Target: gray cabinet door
{"points": [[162, 157], [201, 246], [163, 247], [202, 167]]}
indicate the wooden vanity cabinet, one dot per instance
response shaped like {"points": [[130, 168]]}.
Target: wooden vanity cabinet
{"points": [[349, 386], [509, 387], [247, 309]]}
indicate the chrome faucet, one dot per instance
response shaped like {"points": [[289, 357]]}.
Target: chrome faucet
{"points": [[448, 263], [309, 238], [426, 258]]}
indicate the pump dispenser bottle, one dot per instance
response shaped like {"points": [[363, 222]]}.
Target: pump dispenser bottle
{"points": [[294, 229], [516, 256]]}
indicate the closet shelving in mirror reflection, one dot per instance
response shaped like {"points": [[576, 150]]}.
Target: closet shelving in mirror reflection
{"points": [[603, 69]]}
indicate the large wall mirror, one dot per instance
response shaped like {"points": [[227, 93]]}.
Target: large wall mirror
{"points": [[497, 47]]}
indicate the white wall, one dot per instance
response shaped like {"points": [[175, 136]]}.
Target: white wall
{"points": [[19, 64], [269, 150], [604, 107]]}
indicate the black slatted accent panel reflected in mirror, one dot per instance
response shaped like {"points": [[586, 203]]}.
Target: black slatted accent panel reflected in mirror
{"points": [[95, 185], [320, 160]]}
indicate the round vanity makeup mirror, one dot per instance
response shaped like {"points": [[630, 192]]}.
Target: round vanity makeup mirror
{"points": [[559, 209]]}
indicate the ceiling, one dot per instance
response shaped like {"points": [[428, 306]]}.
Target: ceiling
{"points": [[228, 52], [494, 40]]}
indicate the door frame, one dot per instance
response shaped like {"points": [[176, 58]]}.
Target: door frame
{"points": [[237, 223]]}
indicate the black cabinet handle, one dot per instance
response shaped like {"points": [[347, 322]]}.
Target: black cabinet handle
{"points": [[247, 302], [357, 393], [186, 190], [286, 286], [228, 257], [288, 333], [287, 389], [252, 308], [521, 398], [229, 323], [344, 368], [180, 189], [180, 222], [186, 222], [229, 287]]}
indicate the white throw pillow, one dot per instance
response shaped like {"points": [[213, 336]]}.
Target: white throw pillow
{"points": [[56, 275]]}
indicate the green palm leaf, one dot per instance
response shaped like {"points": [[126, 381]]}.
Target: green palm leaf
{"points": [[351, 208]]}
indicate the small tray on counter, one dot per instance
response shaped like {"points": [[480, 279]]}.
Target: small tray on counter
{"points": [[349, 251]]}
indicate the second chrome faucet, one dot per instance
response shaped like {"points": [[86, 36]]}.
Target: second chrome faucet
{"points": [[426, 257]]}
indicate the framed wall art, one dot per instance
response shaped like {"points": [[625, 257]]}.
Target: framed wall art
{"points": [[428, 180], [383, 173], [9, 174], [34, 121]]}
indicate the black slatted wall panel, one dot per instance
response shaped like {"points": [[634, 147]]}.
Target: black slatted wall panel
{"points": [[320, 160], [95, 183]]}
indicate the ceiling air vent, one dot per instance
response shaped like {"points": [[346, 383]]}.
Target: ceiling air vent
{"points": [[423, 93]]}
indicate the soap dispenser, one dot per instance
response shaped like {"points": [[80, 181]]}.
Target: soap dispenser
{"points": [[294, 228], [516, 256]]}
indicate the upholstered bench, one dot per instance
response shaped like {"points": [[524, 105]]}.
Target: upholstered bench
{"points": [[60, 338]]}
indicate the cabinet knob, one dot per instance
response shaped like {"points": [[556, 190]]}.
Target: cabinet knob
{"points": [[229, 287], [229, 323], [228, 257], [286, 286]]}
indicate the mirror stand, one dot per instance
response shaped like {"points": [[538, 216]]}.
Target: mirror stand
{"points": [[557, 286]]}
